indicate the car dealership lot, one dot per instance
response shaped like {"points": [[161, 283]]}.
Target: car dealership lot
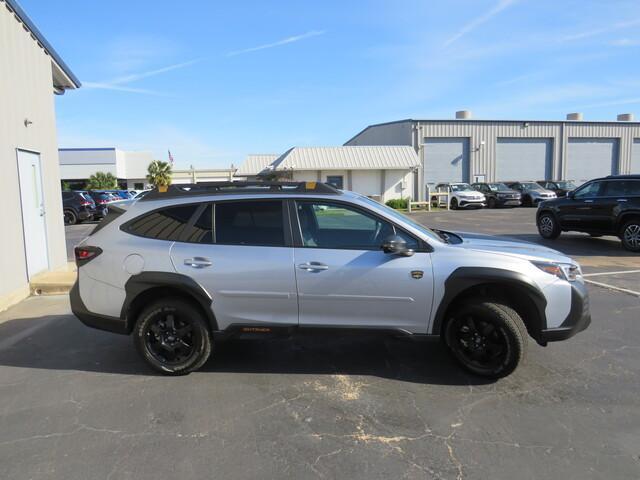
{"points": [[80, 403]]}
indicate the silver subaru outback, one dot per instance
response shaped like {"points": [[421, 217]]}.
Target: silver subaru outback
{"points": [[184, 268]]}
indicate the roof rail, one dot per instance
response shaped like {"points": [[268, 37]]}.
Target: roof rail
{"points": [[227, 188]]}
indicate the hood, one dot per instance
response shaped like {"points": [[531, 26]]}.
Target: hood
{"points": [[509, 246]]}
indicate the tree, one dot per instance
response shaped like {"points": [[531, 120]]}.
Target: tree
{"points": [[102, 181], [159, 173], [66, 186]]}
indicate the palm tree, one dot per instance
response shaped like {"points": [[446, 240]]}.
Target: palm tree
{"points": [[102, 181], [159, 173]]}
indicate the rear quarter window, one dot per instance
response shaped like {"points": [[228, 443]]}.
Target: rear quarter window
{"points": [[165, 224]]}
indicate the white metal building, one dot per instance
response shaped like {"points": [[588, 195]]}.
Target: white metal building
{"points": [[380, 172], [194, 175], [254, 164], [496, 150], [33, 238], [130, 168]]}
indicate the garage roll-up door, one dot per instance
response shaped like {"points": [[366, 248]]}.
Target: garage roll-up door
{"points": [[524, 159], [635, 156], [446, 160], [589, 158]]}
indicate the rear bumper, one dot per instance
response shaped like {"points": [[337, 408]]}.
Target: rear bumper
{"points": [[578, 319], [94, 320]]}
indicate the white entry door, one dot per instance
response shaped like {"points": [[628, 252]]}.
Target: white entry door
{"points": [[33, 214]]}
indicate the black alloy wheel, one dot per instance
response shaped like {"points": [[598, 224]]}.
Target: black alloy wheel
{"points": [[486, 338], [173, 337], [70, 217]]}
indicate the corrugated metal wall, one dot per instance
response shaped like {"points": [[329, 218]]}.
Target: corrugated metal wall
{"points": [[635, 156]]}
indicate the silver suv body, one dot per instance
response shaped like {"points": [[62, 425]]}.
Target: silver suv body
{"points": [[198, 263]]}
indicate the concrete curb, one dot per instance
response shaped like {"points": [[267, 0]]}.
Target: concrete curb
{"points": [[58, 282]]}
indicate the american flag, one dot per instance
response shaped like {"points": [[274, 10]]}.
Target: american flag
{"points": [[170, 158]]}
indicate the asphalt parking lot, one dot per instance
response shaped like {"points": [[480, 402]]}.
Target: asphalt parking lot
{"points": [[77, 403]]}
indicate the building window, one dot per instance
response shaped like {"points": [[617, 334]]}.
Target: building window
{"points": [[336, 180], [138, 186]]}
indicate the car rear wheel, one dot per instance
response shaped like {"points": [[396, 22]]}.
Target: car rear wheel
{"points": [[454, 204], [630, 235], [172, 336], [548, 226], [70, 217], [486, 338]]}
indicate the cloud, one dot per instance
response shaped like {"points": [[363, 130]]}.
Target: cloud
{"points": [[284, 41], [599, 31], [625, 42], [476, 22], [119, 88], [613, 103]]}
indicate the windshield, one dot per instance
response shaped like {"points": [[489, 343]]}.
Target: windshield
{"points": [[531, 186], [402, 218], [461, 187], [496, 187], [566, 185]]}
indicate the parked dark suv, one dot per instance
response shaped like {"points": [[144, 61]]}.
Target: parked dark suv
{"points": [[560, 187], [77, 207], [604, 206], [498, 194]]}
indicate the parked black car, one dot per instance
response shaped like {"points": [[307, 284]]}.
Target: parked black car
{"points": [[102, 200], [498, 194], [604, 206], [560, 187], [77, 207]]}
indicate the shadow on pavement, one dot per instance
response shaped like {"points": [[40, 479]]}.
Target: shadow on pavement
{"points": [[581, 245], [62, 343]]}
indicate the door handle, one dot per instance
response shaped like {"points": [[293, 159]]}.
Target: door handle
{"points": [[621, 200], [588, 201], [198, 262], [313, 266]]}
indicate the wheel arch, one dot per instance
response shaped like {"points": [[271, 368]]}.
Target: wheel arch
{"points": [[145, 287], [512, 288], [627, 216]]}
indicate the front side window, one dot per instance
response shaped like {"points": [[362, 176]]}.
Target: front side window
{"points": [[590, 190], [496, 187], [338, 226], [249, 223], [165, 224]]}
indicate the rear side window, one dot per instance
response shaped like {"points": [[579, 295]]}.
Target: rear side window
{"points": [[622, 188], [202, 229], [249, 223], [165, 224]]}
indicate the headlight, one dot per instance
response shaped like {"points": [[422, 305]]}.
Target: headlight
{"points": [[565, 271]]}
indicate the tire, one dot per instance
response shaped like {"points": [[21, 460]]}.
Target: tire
{"points": [[70, 217], [435, 202], [630, 235], [548, 226], [177, 353], [486, 338], [454, 204], [527, 202], [491, 203]]}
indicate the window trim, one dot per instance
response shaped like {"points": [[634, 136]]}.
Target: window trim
{"points": [[423, 246]]}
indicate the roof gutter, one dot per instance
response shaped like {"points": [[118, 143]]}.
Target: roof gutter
{"points": [[24, 18]]}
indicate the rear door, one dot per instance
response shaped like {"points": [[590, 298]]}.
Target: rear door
{"points": [[618, 195], [241, 254], [345, 279]]}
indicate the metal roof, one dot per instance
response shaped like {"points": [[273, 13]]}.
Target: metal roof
{"points": [[28, 23], [348, 158], [255, 163]]}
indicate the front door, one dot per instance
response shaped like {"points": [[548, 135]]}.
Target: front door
{"points": [[239, 253], [576, 212], [345, 279], [33, 212]]}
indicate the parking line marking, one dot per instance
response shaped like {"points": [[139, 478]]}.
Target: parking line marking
{"points": [[609, 273], [611, 287]]}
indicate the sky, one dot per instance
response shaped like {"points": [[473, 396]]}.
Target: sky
{"points": [[213, 81]]}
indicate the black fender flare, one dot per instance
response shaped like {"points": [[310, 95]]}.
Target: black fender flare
{"points": [[142, 282], [465, 278]]}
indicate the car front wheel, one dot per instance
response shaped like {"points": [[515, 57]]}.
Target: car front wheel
{"points": [[491, 203], [548, 226], [454, 204], [630, 235], [486, 338], [172, 336]]}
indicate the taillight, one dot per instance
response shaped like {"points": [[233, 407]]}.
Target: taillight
{"points": [[86, 204], [85, 254]]}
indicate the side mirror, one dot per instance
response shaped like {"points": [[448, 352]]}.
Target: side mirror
{"points": [[396, 245], [571, 194]]}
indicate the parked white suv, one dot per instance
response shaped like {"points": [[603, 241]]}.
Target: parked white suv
{"points": [[184, 268], [461, 195]]}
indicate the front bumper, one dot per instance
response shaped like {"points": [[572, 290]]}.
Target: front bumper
{"points": [[471, 203], [508, 202], [578, 319]]}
